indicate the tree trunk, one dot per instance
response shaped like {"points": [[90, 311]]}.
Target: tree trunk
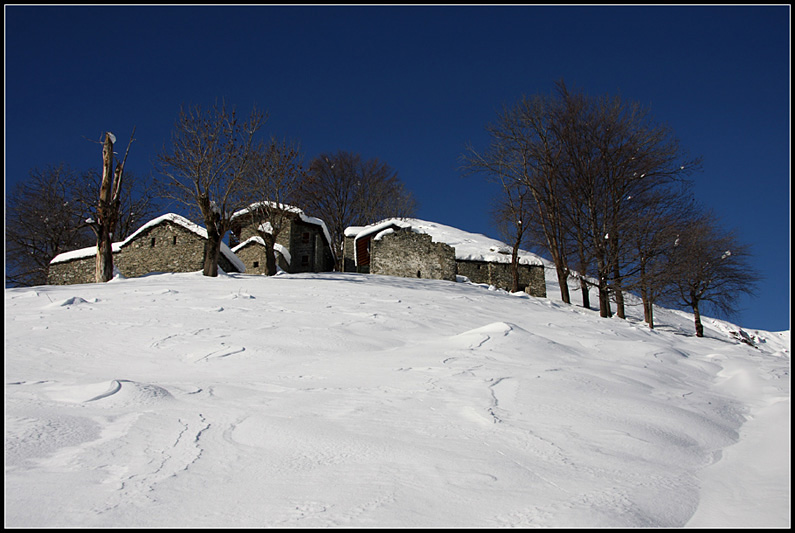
{"points": [[515, 268], [648, 312], [697, 316], [104, 263], [563, 281], [270, 253], [212, 252], [604, 292], [617, 284], [212, 247], [604, 299], [586, 296], [619, 303]]}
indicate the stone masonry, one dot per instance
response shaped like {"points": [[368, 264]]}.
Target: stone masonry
{"points": [[531, 277], [408, 254], [165, 246]]}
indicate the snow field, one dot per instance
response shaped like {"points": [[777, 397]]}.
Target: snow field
{"points": [[335, 400]]}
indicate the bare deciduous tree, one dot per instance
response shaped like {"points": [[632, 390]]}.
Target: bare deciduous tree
{"points": [[108, 206], [614, 151], [711, 266], [208, 166], [47, 215], [277, 173], [137, 201], [44, 218], [512, 217], [524, 155], [344, 191], [658, 220], [582, 159]]}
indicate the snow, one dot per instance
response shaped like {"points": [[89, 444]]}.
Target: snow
{"points": [[348, 400], [82, 253]]}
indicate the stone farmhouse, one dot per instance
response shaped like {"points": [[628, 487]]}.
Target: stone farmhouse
{"points": [[169, 243], [302, 245], [416, 248]]}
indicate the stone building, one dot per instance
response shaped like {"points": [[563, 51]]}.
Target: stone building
{"points": [[252, 253], [499, 274], [169, 243], [358, 242], [416, 248], [409, 254], [303, 243]]}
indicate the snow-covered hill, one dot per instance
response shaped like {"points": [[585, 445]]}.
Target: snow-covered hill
{"points": [[334, 400]]}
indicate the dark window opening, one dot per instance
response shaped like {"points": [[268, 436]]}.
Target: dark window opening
{"points": [[305, 236], [175, 240], [153, 242], [304, 260], [418, 274], [256, 264]]}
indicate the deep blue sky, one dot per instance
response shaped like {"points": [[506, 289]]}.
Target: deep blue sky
{"points": [[413, 86]]}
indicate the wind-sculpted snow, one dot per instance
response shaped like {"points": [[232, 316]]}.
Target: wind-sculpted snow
{"points": [[339, 400]]}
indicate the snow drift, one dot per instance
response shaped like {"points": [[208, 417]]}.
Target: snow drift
{"points": [[334, 400]]}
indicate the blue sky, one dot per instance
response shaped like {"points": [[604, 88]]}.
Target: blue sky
{"points": [[413, 86]]}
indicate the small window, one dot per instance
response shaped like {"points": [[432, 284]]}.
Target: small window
{"points": [[175, 240], [305, 236], [256, 264], [152, 245]]}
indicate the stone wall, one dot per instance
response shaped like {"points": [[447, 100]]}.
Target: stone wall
{"points": [[253, 256], [165, 247], [305, 242], [531, 277], [81, 270], [348, 259], [412, 255]]}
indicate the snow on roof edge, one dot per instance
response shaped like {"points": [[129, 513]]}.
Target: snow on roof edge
{"points": [[259, 240], [468, 246], [168, 217]]}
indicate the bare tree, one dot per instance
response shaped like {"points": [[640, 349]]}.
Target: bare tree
{"points": [[615, 151], [137, 202], [44, 218], [658, 220], [512, 217], [277, 173], [108, 206], [582, 159], [207, 168], [344, 191], [525, 155], [711, 266], [47, 215]]}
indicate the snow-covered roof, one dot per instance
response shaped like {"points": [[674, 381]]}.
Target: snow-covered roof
{"points": [[81, 253], [353, 231], [267, 203], [168, 217], [256, 239], [468, 246], [290, 209]]}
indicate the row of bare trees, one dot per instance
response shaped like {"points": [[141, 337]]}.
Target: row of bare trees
{"points": [[605, 191], [216, 166]]}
